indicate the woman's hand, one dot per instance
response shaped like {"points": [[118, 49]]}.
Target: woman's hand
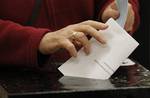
{"points": [[112, 11], [68, 36]]}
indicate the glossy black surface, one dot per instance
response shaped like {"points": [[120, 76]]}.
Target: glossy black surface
{"points": [[3, 93], [24, 82]]}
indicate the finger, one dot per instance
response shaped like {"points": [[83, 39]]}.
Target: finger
{"points": [[129, 23], [68, 45], [84, 41], [110, 13], [95, 24], [114, 6], [92, 32], [130, 19], [76, 43]]}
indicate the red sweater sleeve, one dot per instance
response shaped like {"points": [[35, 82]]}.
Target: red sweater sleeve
{"points": [[135, 5], [19, 44]]}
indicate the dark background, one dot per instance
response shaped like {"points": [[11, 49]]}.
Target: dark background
{"points": [[142, 53]]}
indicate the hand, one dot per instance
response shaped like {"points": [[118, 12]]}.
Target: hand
{"points": [[112, 11], [66, 37]]}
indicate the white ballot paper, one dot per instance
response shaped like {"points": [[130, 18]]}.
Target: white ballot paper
{"points": [[122, 6], [103, 60], [127, 62]]}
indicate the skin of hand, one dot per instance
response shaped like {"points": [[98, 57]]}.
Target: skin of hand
{"points": [[112, 11], [76, 33]]}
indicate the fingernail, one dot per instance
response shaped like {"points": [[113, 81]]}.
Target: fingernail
{"points": [[103, 41], [87, 51], [74, 54], [117, 15], [105, 26]]}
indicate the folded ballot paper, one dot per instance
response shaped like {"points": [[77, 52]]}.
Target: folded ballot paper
{"points": [[103, 60]]}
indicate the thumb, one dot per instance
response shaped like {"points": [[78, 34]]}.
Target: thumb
{"points": [[114, 6], [115, 14], [111, 13]]}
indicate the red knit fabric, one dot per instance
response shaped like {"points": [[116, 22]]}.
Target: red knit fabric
{"points": [[19, 43]]}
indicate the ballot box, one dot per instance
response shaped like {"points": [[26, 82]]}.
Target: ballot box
{"points": [[127, 82]]}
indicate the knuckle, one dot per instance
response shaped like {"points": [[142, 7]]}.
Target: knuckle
{"points": [[69, 32], [86, 26], [80, 34], [70, 46], [70, 26], [89, 21]]}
